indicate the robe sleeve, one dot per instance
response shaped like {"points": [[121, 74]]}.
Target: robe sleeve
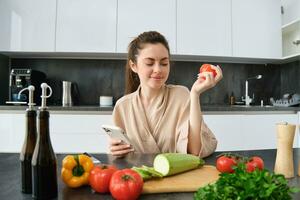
{"points": [[208, 140]]}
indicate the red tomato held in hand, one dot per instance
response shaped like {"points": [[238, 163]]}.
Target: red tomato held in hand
{"points": [[126, 184], [224, 164], [100, 177], [208, 68], [253, 163]]}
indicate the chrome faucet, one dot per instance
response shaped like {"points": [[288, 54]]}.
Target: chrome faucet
{"points": [[247, 99]]}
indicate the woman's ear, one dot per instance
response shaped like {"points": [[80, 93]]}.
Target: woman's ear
{"points": [[133, 66]]}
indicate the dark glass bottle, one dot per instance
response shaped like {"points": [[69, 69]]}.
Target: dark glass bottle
{"points": [[44, 164], [27, 151]]}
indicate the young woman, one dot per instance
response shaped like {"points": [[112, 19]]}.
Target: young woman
{"points": [[158, 117]]}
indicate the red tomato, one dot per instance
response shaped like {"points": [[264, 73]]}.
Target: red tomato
{"points": [[208, 68], [126, 184], [253, 163], [250, 167], [224, 164], [100, 177]]}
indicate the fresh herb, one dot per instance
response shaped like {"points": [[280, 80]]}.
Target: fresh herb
{"points": [[242, 185]]}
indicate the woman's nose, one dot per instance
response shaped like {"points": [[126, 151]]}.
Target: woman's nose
{"points": [[157, 67]]}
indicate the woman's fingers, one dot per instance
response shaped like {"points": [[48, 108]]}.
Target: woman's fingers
{"points": [[219, 73], [120, 147], [122, 153], [114, 141]]}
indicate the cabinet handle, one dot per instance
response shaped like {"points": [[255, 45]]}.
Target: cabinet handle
{"points": [[296, 42]]}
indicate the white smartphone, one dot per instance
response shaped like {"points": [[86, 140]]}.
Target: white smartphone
{"points": [[116, 133]]}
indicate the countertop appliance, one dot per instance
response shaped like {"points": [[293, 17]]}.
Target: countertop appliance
{"points": [[22, 78]]}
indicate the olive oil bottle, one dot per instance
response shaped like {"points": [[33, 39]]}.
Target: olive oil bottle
{"points": [[44, 164], [29, 143]]}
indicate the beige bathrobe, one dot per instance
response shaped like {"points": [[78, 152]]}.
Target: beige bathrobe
{"points": [[164, 126]]}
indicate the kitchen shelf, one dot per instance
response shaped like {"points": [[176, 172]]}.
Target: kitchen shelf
{"points": [[290, 40], [290, 27], [291, 58]]}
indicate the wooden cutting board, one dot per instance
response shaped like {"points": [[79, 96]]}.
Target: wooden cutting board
{"points": [[185, 182]]}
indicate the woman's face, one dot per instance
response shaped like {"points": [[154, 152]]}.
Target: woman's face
{"points": [[152, 65]]}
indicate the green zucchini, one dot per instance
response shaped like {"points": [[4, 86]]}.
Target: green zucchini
{"points": [[173, 163], [143, 173], [152, 171]]}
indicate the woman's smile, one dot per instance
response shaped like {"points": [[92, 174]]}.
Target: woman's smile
{"points": [[157, 78]]}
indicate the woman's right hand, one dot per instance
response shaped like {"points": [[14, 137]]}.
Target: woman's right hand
{"points": [[119, 148]]}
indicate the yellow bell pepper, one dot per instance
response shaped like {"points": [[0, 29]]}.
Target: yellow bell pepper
{"points": [[76, 170]]}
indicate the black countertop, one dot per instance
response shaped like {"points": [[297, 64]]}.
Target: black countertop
{"points": [[204, 108], [10, 181]]}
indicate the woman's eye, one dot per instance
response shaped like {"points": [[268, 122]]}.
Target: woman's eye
{"points": [[149, 64], [164, 64]]}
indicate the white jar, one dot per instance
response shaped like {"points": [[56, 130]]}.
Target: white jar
{"points": [[106, 101]]}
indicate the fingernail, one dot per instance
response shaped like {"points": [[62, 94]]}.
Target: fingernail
{"points": [[128, 145]]}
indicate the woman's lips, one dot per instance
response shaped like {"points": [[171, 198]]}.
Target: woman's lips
{"points": [[157, 78]]}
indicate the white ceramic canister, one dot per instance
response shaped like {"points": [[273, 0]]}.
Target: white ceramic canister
{"points": [[106, 101]]}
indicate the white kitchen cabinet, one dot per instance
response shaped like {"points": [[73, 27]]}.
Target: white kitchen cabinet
{"points": [[79, 133], [228, 131], [137, 16], [256, 29], [291, 11], [68, 132], [260, 130], [86, 26], [27, 25], [12, 132], [248, 132], [291, 28], [204, 27], [291, 39]]}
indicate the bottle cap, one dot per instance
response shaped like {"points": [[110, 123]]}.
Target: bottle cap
{"points": [[31, 89], [44, 95]]}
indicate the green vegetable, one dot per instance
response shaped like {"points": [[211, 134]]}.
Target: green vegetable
{"points": [[173, 163], [258, 185], [147, 172], [151, 170], [143, 173]]}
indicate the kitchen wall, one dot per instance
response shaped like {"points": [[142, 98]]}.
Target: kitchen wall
{"points": [[106, 77], [290, 78], [4, 74]]}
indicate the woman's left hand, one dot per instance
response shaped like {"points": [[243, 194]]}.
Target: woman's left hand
{"points": [[206, 80]]}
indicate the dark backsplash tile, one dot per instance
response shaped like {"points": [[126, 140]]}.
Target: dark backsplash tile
{"points": [[106, 77], [290, 78]]}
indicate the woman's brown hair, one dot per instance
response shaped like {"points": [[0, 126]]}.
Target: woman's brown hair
{"points": [[132, 80]]}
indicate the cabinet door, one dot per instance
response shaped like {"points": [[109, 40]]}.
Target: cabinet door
{"points": [[228, 131], [291, 11], [79, 133], [204, 27], [256, 28], [137, 16], [260, 130], [12, 132], [6, 136], [27, 25], [86, 25]]}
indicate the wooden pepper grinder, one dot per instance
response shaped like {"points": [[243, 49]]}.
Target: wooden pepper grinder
{"points": [[284, 158]]}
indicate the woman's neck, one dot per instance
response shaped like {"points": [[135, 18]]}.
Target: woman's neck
{"points": [[148, 95]]}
